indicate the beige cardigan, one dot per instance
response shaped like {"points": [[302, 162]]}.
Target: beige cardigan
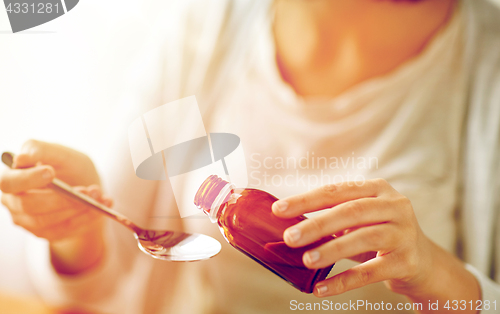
{"points": [[480, 212]]}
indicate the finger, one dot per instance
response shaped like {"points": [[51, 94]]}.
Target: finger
{"points": [[43, 201], [34, 151], [20, 180], [352, 214], [93, 191], [372, 238], [107, 201], [70, 227], [48, 220], [328, 196], [34, 202], [46, 224], [372, 271]]}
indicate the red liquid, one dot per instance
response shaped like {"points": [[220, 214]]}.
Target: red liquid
{"points": [[248, 224]]}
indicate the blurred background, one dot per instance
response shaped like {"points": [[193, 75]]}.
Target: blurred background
{"points": [[61, 82]]}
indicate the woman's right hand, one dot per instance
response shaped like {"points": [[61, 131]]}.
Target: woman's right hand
{"points": [[73, 229]]}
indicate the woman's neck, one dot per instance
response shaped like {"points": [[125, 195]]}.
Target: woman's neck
{"points": [[324, 47]]}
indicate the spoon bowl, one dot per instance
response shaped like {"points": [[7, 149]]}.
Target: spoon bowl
{"points": [[177, 246], [161, 244]]}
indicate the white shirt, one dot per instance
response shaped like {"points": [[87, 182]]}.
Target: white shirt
{"points": [[409, 120]]}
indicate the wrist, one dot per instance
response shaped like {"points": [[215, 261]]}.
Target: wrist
{"points": [[79, 254], [447, 279]]}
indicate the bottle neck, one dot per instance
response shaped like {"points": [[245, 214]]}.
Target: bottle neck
{"points": [[211, 195]]}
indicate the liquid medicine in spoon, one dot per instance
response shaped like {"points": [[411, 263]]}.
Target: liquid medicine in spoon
{"points": [[247, 222]]}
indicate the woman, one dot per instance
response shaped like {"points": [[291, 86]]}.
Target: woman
{"points": [[410, 83]]}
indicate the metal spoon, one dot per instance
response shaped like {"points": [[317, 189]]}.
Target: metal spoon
{"points": [[161, 244]]}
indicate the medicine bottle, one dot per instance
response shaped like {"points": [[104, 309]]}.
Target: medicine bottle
{"points": [[247, 222]]}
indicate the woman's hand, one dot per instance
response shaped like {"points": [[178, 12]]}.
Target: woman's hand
{"points": [[374, 224], [69, 225]]}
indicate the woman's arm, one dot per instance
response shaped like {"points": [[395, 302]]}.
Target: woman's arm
{"points": [[376, 225], [98, 287]]}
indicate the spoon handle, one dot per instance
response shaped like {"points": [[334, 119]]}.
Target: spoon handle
{"points": [[65, 188]]}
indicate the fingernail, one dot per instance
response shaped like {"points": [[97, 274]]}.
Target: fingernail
{"points": [[293, 234], [281, 206], [47, 175], [321, 289], [312, 257]]}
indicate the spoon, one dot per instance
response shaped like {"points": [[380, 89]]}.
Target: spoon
{"points": [[161, 244]]}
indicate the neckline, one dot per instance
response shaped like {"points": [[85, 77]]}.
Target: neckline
{"points": [[268, 66]]}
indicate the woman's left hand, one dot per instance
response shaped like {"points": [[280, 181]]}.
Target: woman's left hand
{"points": [[374, 225]]}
